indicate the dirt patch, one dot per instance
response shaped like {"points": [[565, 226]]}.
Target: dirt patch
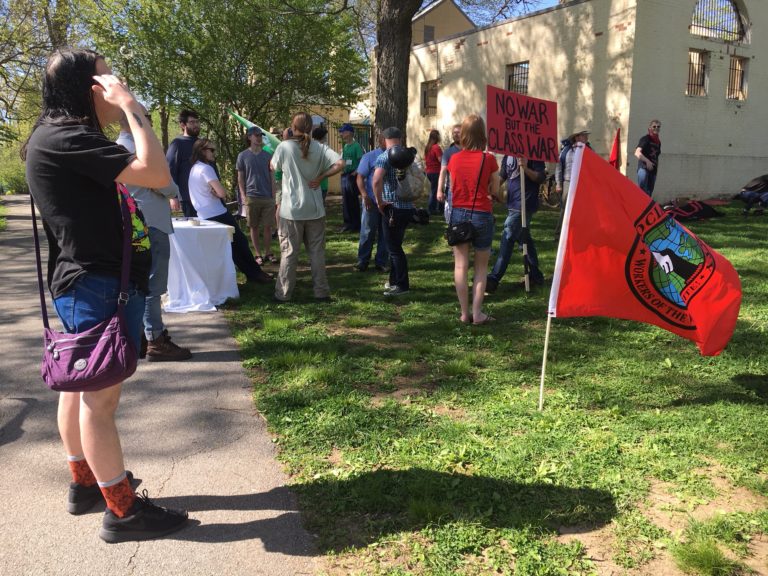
{"points": [[672, 513], [598, 545], [406, 386], [758, 559], [455, 413], [378, 336], [336, 457]]}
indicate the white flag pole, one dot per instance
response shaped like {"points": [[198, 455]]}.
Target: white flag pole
{"points": [[544, 364], [524, 222], [557, 274]]}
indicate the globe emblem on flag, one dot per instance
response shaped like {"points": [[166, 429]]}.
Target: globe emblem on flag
{"points": [[667, 266]]}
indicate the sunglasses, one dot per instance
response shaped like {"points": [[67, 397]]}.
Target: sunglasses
{"points": [[656, 126]]}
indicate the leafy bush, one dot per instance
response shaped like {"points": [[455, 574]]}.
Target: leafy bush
{"points": [[12, 176]]}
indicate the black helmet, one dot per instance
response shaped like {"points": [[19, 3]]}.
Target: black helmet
{"points": [[401, 157]]}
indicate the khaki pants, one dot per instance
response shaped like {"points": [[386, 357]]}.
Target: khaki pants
{"points": [[292, 234]]}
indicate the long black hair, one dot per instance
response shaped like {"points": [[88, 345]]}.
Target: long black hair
{"points": [[67, 93]]}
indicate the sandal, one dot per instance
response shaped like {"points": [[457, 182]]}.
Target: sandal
{"points": [[270, 258], [259, 260], [486, 320]]}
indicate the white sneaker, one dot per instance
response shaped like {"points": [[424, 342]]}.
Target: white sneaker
{"points": [[395, 291]]}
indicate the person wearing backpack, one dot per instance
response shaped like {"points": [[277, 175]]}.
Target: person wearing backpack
{"points": [[563, 171], [396, 212]]}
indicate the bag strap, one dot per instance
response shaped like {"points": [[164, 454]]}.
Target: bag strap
{"points": [[477, 187], [126, 264]]}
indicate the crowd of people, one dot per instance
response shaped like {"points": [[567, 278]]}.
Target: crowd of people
{"points": [[73, 171]]}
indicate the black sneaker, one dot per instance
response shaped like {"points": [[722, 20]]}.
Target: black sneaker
{"points": [[82, 498], [145, 521], [360, 267], [491, 286]]}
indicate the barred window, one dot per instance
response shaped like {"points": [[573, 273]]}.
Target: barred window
{"points": [[429, 98], [737, 79], [718, 19], [517, 77], [698, 73]]}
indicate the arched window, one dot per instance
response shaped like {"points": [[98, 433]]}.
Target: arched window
{"points": [[718, 19]]}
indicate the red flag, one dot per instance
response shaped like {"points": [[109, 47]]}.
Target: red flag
{"points": [[614, 160], [622, 256]]}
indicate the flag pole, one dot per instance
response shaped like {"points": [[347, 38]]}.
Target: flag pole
{"points": [[544, 363], [557, 273], [524, 221]]}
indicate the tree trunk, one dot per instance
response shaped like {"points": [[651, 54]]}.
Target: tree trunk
{"points": [[393, 52], [164, 114]]}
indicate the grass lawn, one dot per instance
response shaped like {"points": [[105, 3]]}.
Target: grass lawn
{"points": [[415, 444]]}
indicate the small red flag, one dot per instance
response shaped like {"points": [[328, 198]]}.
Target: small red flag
{"points": [[614, 160], [622, 256]]}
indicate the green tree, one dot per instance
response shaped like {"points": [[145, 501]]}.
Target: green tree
{"points": [[251, 56]]}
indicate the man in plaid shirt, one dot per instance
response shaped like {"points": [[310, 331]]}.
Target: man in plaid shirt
{"points": [[396, 213]]}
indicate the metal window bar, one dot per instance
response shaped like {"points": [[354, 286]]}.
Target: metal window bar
{"points": [[429, 98], [718, 19], [736, 79], [517, 77], [697, 73]]}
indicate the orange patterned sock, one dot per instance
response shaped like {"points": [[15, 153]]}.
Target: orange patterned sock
{"points": [[81, 472], [120, 497]]}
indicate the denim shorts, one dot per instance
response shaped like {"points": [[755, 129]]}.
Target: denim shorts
{"points": [[483, 223], [93, 299]]}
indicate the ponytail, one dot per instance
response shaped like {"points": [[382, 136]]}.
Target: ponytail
{"points": [[302, 131]]}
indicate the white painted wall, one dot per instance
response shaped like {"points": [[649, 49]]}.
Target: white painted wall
{"points": [[615, 64]]}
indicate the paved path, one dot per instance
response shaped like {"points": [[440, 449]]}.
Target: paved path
{"points": [[189, 431]]}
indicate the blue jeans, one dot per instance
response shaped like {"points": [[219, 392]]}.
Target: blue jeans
{"points": [[511, 235], [434, 206], [370, 232], [350, 203], [396, 220], [483, 223], [93, 299], [158, 283], [241, 249], [646, 179]]}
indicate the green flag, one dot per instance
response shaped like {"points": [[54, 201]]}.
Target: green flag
{"points": [[272, 140]]}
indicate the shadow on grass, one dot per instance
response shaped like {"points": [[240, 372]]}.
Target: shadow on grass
{"points": [[744, 389], [358, 511]]}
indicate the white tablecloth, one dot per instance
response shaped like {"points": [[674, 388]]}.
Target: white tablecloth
{"points": [[201, 273]]}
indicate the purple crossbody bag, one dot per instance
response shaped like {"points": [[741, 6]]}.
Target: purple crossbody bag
{"points": [[99, 357]]}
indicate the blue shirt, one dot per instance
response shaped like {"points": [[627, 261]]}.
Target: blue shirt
{"points": [[366, 170], [510, 171], [389, 195], [450, 151]]}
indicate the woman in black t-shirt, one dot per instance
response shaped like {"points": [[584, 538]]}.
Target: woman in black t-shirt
{"points": [[647, 152], [72, 170]]}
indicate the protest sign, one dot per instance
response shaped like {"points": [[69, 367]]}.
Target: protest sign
{"points": [[519, 125]]}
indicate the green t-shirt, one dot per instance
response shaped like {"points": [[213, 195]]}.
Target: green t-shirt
{"points": [[351, 153]]}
